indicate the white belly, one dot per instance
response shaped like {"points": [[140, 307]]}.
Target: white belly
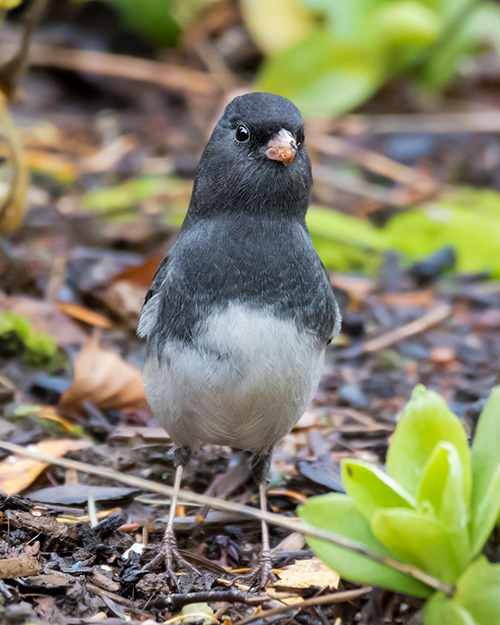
{"points": [[244, 382]]}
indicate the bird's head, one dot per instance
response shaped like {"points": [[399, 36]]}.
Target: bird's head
{"points": [[255, 160]]}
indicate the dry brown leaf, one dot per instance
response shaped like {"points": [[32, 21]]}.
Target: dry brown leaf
{"points": [[16, 474], [104, 379], [141, 275], [125, 300], [306, 574], [84, 314], [357, 287], [423, 299]]}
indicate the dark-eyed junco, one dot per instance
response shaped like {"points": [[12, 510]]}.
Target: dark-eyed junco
{"points": [[240, 310]]}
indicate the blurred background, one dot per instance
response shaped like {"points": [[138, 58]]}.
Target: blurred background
{"points": [[105, 107]]}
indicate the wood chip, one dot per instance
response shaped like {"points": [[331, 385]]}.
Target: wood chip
{"points": [[10, 568]]}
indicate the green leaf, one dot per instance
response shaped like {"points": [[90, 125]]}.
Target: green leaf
{"points": [[485, 454], [426, 421], [485, 515], [485, 458], [277, 25], [7, 5], [442, 490], [478, 591], [418, 539], [322, 75], [408, 23], [476, 600], [450, 222], [441, 610], [372, 489], [338, 513], [152, 17], [349, 21]]}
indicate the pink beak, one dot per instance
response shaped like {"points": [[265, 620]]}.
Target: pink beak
{"points": [[282, 147]]}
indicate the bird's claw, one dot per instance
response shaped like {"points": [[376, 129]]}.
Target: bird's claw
{"points": [[263, 574], [171, 559]]}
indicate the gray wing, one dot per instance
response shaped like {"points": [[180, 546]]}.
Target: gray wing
{"points": [[151, 306], [334, 326]]}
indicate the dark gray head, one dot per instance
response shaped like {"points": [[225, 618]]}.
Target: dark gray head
{"points": [[255, 161]]}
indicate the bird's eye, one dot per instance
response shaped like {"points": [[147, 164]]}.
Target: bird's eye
{"points": [[242, 133]]}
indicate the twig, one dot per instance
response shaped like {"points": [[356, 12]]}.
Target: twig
{"points": [[438, 123], [373, 161], [410, 329], [12, 205], [337, 597], [14, 69], [214, 502], [356, 186], [192, 615], [176, 601], [165, 75]]}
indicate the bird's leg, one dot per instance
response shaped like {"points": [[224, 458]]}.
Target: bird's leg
{"points": [[169, 554], [263, 574]]}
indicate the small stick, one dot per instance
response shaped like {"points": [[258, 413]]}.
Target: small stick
{"points": [[165, 75], [410, 329], [176, 601], [373, 161], [337, 597], [487, 121]]}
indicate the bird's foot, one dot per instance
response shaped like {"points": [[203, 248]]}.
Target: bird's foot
{"points": [[263, 574], [171, 559]]}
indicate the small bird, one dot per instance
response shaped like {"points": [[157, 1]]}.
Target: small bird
{"points": [[240, 311]]}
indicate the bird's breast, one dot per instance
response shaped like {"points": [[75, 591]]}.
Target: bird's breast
{"points": [[244, 380]]}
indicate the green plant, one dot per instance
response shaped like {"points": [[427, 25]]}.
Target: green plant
{"points": [[18, 334], [329, 56], [347, 243], [434, 509]]}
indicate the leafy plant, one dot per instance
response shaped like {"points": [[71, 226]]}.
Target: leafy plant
{"points": [[159, 20], [434, 509], [329, 56], [345, 242], [18, 334]]}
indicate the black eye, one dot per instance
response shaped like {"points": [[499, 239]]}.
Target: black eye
{"points": [[242, 133]]}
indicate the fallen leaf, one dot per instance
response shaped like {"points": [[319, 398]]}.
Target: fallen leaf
{"points": [[16, 474], [357, 287], [125, 300], [196, 613], [422, 299], [84, 314], [141, 275], [50, 413], [77, 494], [104, 379], [443, 355], [307, 574]]}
